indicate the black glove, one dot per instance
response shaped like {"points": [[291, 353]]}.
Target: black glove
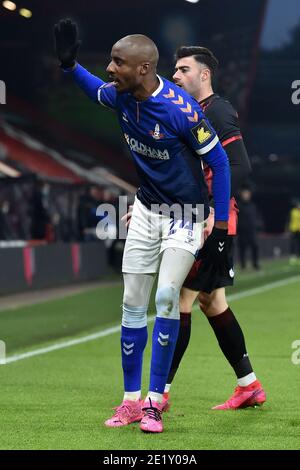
{"points": [[66, 42], [215, 247]]}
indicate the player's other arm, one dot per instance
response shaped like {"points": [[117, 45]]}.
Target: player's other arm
{"points": [[240, 166], [217, 159], [66, 46], [214, 155], [225, 121], [202, 138]]}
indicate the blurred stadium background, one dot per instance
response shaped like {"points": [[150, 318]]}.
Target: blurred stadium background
{"points": [[61, 156]]}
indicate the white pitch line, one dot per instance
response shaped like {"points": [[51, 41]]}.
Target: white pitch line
{"points": [[264, 288], [115, 329], [65, 344]]}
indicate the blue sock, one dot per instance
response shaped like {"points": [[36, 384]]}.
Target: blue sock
{"points": [[133, 342], [164, 339]]}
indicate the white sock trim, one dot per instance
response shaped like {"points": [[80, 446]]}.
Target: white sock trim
{"points": [[158, 397], [247, 380]]}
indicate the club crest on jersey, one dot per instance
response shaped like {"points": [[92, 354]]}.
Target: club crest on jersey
{"points": [[202, 132], [156, 133]]}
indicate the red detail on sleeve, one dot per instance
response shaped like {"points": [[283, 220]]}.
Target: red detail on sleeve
{"points": [[233, 208], [231, 139], [233, 217], [208, 178]]}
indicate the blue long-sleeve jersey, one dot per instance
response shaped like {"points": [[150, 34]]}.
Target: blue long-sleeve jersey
{"points": [[166, 134]]}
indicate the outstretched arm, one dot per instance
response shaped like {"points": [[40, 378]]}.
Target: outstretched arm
{"points": [[88, 82], [66, 46], [66, 42]]}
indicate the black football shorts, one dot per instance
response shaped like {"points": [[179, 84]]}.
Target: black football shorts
{"points": [[206, 277]]}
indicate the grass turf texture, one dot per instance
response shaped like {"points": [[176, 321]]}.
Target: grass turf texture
{"points": [[60, 400]]}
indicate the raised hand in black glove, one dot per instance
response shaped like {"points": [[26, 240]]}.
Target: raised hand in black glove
{"points": [[215, 247], [66, 42]]}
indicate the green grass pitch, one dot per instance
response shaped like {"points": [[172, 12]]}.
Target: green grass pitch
{"points": [[59, 400]]}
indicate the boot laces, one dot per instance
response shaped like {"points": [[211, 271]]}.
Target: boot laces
{"points": [[152, 412]]}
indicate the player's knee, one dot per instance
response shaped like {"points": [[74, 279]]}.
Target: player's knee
{"points": [[130, 298], [186, 300], [134, 317], [167, 302], [212, 304], [204, 301]]}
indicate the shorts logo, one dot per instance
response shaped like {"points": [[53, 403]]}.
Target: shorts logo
{"points": [[231, 273], [202, 132], [189, 239]]}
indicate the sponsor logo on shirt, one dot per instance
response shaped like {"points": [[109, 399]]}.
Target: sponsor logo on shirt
{"points": [[145, 150], [202, 132]]}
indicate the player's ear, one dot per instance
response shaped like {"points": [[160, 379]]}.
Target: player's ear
{"points": [[205, 74], [144, 68]]}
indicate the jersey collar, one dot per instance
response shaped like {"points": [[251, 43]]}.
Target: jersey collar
{"points": [[208, 99], [159, 88]]}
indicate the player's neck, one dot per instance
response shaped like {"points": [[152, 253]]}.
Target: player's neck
{"points": [[146, 89], [204, 93]]}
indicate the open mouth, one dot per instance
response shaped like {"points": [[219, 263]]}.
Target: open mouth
{"points": [[114, 81]]}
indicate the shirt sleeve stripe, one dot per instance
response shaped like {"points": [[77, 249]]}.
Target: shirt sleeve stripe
{"points": [[209, 146], [231, 139], [99, 99]]}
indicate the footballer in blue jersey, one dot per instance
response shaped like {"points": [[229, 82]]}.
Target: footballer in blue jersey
{"points": [[167, 134]]}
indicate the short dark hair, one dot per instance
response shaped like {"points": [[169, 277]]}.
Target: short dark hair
{"points": [[201, 54]]}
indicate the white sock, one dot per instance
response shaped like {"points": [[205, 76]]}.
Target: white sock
{"points": [[133, 396], [158, 397], [247, 380], [167, 388]]}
